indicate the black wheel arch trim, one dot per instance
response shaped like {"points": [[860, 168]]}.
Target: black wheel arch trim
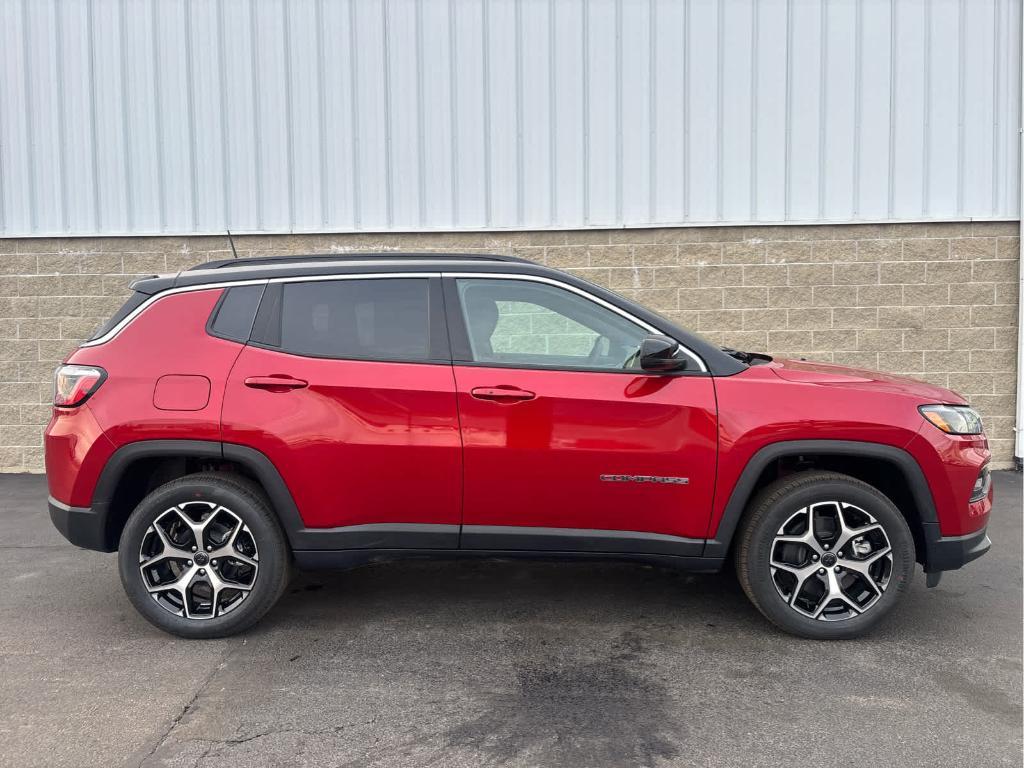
{"points": [[743, 490], [281, 499], [255, 461], [118, 463]]}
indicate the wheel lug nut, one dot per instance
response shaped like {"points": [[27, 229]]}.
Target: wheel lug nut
{"points": [[821, 570], [840, 553], [189, 563], [202, 571], [213, 562], [194, 549], [814, 558], [209, 548], [837, 569], [826, 546]]}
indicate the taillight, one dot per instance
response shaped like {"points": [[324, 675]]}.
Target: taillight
{"points": [[74, 384]]}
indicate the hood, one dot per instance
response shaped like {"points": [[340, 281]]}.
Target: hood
{"points": [[828, 375]]}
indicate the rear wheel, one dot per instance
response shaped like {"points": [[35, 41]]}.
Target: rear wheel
{"points": [[203, 556], [824, 555]]}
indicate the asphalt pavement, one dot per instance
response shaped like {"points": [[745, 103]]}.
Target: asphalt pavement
{"points": [[500, 663]]}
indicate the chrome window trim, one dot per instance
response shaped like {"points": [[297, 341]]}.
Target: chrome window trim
{"points": [[113, 332], [233, 283], [580, 292]]}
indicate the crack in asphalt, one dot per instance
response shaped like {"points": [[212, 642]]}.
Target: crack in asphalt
{"points": [[212, 747], [203, 685]]}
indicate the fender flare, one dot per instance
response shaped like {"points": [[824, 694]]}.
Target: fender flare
{"points": [[253, 460], [743, 489]]}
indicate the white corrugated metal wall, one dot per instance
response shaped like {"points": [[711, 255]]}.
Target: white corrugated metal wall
{"points": [[193, 116]]}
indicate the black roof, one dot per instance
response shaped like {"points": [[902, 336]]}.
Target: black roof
{"points": [[360, 256], [268, 268]]}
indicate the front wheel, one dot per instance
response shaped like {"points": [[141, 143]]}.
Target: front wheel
{"points": [[824, 555], [203, 556]]}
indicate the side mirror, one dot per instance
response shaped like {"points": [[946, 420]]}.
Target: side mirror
{"points": [[658, 354]]}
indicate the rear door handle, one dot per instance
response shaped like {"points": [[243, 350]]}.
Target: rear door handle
{"points": [[275, 383], [502, 394]]}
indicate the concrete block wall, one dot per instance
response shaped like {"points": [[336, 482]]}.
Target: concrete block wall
{"points": [[936, 301]]}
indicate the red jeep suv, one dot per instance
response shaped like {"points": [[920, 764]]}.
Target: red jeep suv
{"points": [[244, 416]]}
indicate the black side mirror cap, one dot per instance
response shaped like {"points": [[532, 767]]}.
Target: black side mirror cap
{"points": [[660, 354]]}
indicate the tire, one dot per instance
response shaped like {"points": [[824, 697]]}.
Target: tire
{"points": [[232, 517], [782, 577]]}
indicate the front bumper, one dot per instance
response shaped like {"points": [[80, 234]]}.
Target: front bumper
{"points": [[947, 553], [82, 526]]}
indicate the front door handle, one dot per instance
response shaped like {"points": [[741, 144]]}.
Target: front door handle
{"points": [[502, 394], [275, 383]]}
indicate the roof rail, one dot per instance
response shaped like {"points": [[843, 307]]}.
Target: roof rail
{"points": [[355, 256]]}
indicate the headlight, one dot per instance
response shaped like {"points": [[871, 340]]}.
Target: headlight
{"points": [[953, 419]]}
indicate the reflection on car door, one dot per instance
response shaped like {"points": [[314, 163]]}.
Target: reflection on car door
{"points": [[567, 443], [347, 387]]}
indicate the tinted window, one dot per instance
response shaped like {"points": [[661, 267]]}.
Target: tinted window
{"points": [[236, 311], [517, 322], [381, 319]]}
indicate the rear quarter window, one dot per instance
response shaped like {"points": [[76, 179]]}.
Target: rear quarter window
{"points": [[233, 316]]}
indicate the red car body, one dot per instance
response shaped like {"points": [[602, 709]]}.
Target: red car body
{"points": [[392, 455]]}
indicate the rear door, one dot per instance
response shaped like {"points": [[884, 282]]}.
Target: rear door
{"points": [[347, 387], [567, 443]]}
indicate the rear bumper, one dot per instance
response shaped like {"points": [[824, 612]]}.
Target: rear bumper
{"points": [[947, 553], [82, 526]]}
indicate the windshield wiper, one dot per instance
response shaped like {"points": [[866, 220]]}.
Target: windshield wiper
{"points": [[750, 358], [743, 357]]}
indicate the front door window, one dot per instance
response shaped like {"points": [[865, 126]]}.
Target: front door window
{"points": [[529, 324]]}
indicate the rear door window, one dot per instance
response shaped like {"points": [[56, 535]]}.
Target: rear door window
{"points": [[386, 319]]}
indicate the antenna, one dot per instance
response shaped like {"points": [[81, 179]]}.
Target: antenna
{"points": [[232, 241]]}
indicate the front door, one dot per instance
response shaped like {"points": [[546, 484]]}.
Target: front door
{"points": [[567, 443]]}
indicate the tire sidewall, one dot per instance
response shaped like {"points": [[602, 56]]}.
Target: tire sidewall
{"points": [[763, 533], [273, 560]]}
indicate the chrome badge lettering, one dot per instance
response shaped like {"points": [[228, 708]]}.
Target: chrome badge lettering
{"points": [[645, 479]]}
